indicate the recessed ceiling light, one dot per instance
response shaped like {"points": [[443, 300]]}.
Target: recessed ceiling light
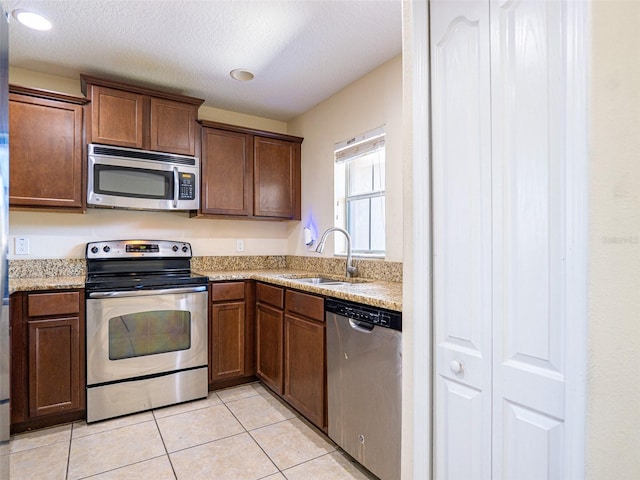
{"points": [[32, 20], [241, 74]]}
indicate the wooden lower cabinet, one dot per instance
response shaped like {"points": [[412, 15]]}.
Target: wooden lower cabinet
{"points": [[269, 340], [47, 358], [231, 332], [291, 349], [304, 355], [304, 385]]}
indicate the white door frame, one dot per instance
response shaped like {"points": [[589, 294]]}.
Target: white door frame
{"points": [[421, 245]]}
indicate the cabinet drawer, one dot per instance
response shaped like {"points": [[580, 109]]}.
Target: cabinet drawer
{"points": [[227, 291], [48, 304], [309, 306], [270, 295]]}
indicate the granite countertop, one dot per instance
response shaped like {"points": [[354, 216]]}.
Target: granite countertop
{"points": [[376, 293], [28, 284]]}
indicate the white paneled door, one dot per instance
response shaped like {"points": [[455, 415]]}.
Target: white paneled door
{"points": [[505, 329], [461, 125]]}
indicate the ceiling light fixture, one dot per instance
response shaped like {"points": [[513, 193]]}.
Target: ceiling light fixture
{"points": [[241, 75], [32, 20]]}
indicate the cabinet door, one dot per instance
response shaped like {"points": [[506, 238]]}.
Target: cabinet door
{"points": [[269, 325], [54, 366], [276, 178], [227, 353], [173, 126], [304, 385], [227, 162], [46, 153], [117, 117]]}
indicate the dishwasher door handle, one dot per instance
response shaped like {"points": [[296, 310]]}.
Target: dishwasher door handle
{"points": [[363, 327]]}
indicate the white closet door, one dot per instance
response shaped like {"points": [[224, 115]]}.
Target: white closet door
{"points": [[509, 176], [462, 238], [529, 98]]}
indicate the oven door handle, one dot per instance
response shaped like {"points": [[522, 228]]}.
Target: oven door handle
{"points": [[142, 293]]}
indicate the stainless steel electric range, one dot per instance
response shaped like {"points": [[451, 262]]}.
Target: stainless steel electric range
{"points": [[146, 327]]}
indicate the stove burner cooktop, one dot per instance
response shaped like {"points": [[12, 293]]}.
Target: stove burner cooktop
{"points": [[138, 282], [126, 265]]}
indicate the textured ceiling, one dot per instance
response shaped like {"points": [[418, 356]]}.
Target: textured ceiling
{"points": [[301, 51]]}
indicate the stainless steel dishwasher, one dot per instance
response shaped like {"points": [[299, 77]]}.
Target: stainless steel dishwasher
{"points": [[364, 375]]}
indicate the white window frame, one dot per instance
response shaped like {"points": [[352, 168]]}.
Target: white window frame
{"points": [[344, 153]]}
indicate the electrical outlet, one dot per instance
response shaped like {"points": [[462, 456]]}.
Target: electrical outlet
{"points": [[239, 245], [22, 246]]}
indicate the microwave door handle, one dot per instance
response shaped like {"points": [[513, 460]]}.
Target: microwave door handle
{"points": [[176, 187]]}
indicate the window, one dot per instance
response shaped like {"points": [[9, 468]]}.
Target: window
{"points": [[359, 191]]}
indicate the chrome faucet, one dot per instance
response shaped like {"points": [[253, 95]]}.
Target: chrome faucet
{"points": [[351, 271]]}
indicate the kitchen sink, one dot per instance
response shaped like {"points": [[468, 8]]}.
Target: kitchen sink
{"points": [[321, 280]]}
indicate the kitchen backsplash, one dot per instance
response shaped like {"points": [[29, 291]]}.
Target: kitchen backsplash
{"points": [[230, 263], [372, 269]]}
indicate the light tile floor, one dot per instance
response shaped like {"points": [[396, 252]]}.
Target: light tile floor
{"points": [[241, 433]]}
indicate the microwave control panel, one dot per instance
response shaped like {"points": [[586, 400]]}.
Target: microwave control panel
{"points": [[187, 186]]}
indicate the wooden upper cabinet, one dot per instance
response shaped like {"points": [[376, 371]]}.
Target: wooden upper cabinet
{"points": [[138, 117], [45, 148], [250, 173], [173, 126], [276, 178], [117, 117], [227, 162]]}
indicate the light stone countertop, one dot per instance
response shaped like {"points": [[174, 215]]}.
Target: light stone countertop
{"points": [[367, 291], [28, 284], [376, 293]]}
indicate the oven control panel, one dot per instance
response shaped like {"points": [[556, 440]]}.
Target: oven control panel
{"points": [[137, 248]]}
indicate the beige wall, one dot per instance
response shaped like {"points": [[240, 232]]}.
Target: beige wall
{"points": [[64, 235], [372, 101], [71, 86], [613, 386]]}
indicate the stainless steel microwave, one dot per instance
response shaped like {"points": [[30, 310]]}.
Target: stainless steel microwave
{"points": [[141, 180]]}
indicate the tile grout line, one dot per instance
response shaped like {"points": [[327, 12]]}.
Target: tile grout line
{"points": [[253, 439], [66, 474], [265, 394], [164, 445], [296, 416]]}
